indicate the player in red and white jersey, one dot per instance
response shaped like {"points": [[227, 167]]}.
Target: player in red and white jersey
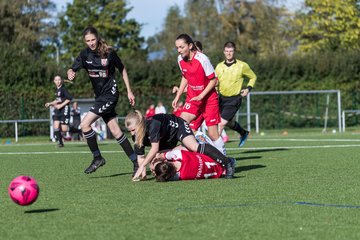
{"points": [[184, 165], [198, 76]]}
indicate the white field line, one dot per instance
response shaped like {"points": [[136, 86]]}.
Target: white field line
{"points": [[228, 149], [44, 153], [294, 147], [301, 140], [250, 140]]}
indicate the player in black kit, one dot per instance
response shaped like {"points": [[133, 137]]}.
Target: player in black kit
{"points": [[163, 132], [61, 110], [101, 61]]}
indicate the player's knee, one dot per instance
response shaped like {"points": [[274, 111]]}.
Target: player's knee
{"points": [[193, 147], [222, 124], [85, 127]]}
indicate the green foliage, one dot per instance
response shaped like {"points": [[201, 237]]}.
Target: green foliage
{"points": [[164, 41], [108, 16], [328, 25], [23, 23], [256, 27], [262, 32], [25, 72]]}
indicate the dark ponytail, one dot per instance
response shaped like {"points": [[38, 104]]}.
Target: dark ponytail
{"points": [[187, 39]]}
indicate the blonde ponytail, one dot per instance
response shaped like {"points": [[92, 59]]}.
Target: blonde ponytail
{"points": [[136, 119]]}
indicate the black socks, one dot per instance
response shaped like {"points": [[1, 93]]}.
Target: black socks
{"points": [[212, 152], [126, 146], [90, 137], [58, 136], [236, 127]]}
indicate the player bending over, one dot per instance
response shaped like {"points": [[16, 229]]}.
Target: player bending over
{"points": [[164, 131]]}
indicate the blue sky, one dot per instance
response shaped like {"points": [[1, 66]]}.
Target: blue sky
{"points": [[151, 13]]}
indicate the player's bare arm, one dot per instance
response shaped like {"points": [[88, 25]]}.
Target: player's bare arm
{"points": [[71, 74], [142, 166], [181, 89], [131, 96], [208, 88]]}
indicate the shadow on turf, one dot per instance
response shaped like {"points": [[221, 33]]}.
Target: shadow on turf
{"points": [[84, 145], [148, 173], [247, 158], [42, 210], [112, 175], [266, 150], [248, 168]]}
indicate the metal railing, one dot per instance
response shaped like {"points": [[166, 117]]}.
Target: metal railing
{"points": [[357, 112], [338, 93], [22, 121], [251, 114]]}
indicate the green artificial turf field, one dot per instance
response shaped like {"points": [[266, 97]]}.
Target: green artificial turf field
{"points": [[294, 186]]}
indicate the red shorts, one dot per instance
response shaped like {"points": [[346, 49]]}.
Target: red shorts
{"points": [[207, 109]]}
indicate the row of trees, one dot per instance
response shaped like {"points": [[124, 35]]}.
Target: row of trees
{"points": [[280, 45], [262, 28]]}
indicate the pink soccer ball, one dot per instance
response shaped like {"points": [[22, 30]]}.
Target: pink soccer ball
{"points": [[23, 190]]}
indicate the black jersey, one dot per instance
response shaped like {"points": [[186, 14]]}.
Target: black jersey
{"points": [[62, 114], [61, 94], [101, 70], [162, 127], [167, 129]]}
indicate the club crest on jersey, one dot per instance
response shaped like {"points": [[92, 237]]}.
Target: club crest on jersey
{"points": [[104, 61]]}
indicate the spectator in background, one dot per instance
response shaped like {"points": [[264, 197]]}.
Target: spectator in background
{"points": [[160, 108], [231, 73], [61, 110], [150, 111], [75, 120]]}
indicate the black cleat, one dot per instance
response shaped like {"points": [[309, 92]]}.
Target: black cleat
{"points": [[136, 167], [60, 145], [95, 164], [230, 168]]}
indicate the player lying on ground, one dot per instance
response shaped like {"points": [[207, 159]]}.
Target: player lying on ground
{"points": [[165, 131], [180, 164]]}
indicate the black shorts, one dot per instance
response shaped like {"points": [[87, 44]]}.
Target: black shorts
{"points": [[229, 106], [184, 129], [178, 130], [104, 107], [62, 115]]}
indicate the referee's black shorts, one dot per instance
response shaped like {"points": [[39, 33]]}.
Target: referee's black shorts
{"points": [[229, 106]]}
